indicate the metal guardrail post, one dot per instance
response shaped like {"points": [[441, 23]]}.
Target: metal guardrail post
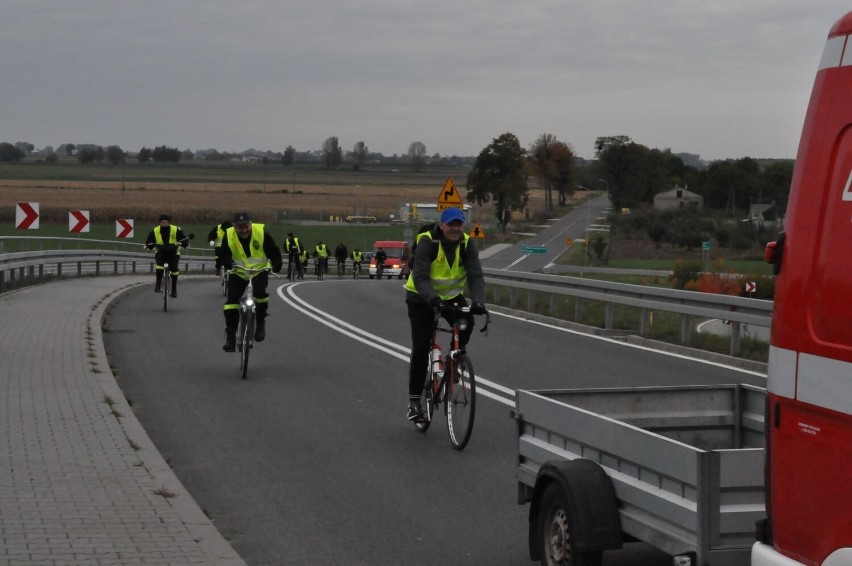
{"points": [[735, 338], [685, 329], [530, 301], [609, 317], [645, 323], [79, 269], [578, 309]]}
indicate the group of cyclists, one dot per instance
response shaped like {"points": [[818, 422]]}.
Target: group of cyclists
{"points": [[444, 262]]}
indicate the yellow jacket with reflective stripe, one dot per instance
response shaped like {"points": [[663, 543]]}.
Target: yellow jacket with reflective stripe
{"points": [[257, 259]]}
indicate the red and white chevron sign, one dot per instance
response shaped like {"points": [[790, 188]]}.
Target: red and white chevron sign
{"points": [[78, 220], [26, 215], [124, 228]]}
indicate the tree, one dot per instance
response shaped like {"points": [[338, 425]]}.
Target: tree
{"points": [[360, 153], [635, 172], [144, 155], [498, 175], [289, 155], [9, 153], [164, 154], [69, 149], [332, 155], [551, 161], [417, 155], [115, 154], [91, 154]]}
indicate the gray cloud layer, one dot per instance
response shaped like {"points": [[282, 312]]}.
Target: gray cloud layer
{"points": [[723, 78]]}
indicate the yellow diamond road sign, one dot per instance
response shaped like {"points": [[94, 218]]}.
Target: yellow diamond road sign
{"points": [[477, 232], [449, 196]]}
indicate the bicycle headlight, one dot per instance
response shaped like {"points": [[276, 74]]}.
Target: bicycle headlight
{"points": [[463, 324], [249, 302]]}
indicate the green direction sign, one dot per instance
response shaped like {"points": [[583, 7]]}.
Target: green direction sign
{"points": [[705, 245], [534, 249]]}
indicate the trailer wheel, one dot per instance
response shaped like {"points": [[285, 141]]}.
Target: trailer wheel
{"points": [[556, 532]]}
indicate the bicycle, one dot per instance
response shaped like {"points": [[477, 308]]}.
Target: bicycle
{"points": [[247, 323], [166, 283], [341, 268], [294, 269], [225, 275], [356, 270], [451, 380], [380, 269], [322, 267]]}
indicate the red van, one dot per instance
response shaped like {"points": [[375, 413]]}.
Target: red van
{"points": [[397, 262]]}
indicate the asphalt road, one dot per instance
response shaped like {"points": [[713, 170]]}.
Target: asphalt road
{"points": [[311, 460]]}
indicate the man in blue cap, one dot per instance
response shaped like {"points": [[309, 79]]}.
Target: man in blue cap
{"points": [[445, 259]]}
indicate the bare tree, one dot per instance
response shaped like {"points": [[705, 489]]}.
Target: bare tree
{"points": [[360, 154], [417, 155], [331, 153]]}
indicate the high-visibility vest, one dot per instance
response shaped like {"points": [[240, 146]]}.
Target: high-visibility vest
{"points": [[257, 259], [158, 235], [447, 280]]}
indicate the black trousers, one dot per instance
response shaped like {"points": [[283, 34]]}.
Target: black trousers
{"points": [[236, 288], [421, 317]]}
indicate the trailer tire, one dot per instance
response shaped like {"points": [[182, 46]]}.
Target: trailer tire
{"points": [[557, 532]]}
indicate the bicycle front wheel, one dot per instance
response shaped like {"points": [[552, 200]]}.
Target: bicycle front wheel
{"points": [[460, 399], [165, 287], [428, 407], [245, 337]]}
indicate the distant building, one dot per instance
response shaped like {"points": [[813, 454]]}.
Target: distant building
{"points": [[764, 215], [677, 198], [422, 212]]}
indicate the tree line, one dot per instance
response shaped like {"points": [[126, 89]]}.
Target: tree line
{"points": [[630, 172]]}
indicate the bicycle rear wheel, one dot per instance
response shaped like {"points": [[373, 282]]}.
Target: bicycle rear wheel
{"points": [[428, 406], [460, 399]]}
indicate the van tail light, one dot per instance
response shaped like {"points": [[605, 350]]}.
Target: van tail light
{"points": [[774, 253], [770, 253]]}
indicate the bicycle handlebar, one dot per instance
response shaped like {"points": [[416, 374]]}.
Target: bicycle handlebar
{"points": [[253, 270], [447, 310]]}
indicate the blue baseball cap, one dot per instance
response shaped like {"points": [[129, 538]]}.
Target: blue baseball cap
{"points": [[452, 214]]}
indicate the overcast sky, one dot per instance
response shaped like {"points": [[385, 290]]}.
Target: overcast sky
{"points": [[720, 78]]}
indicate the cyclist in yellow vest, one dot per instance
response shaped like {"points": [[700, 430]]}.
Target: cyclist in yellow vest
{"points": [[321, 255], [248, 245], [293, 248], [166, 238], [215, 237], [357, 258], [445, 260]]}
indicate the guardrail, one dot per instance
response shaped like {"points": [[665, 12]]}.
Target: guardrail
{"points": [[689, 304], [23, 268]]}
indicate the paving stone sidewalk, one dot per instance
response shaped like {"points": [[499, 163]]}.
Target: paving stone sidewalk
{"points": [[80, 481]]}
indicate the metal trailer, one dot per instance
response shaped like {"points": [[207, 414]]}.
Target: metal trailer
{"points": [[681, 468]]}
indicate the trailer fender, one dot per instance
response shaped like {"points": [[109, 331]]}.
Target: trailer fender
{"points": [[590, 498]]}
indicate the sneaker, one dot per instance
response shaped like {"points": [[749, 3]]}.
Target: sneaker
{"points": [[230, 342], [157, 289], [414, 411], [260, 331], [174, 294]]}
